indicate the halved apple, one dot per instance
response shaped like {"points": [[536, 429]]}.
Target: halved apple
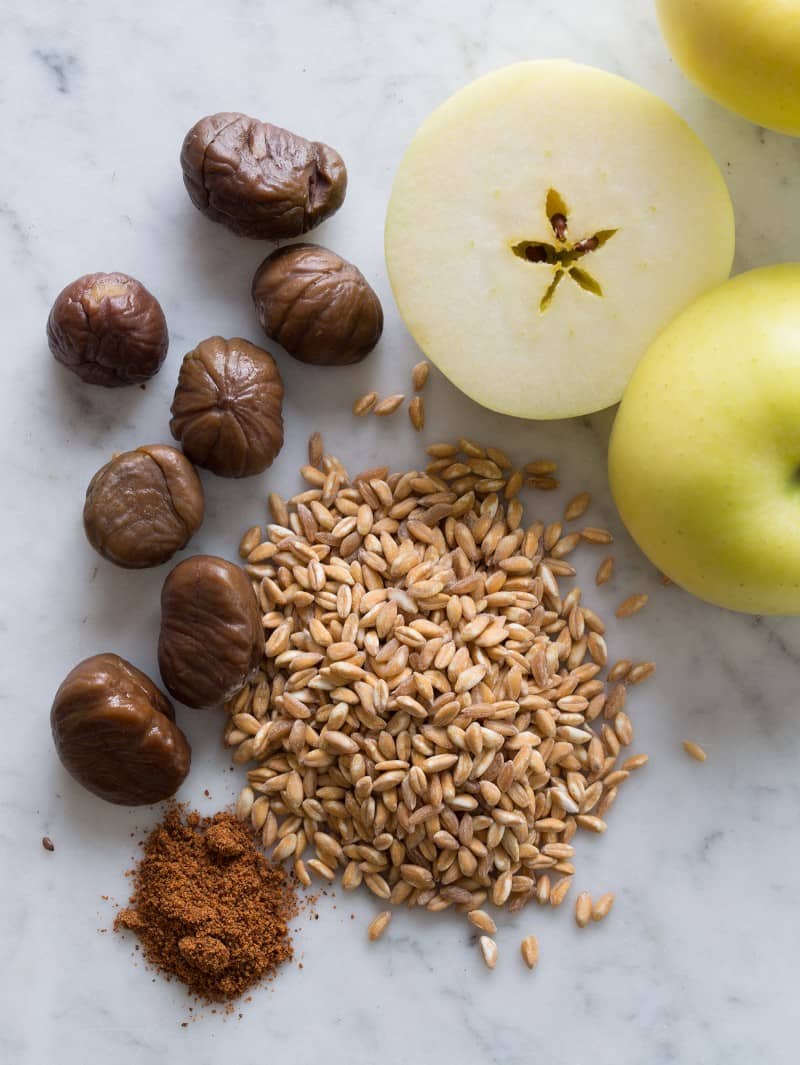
{"points": [[545, 224]]}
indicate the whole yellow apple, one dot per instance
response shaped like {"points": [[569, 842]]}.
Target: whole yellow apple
{"points": [[704, 459], [743, 53]]}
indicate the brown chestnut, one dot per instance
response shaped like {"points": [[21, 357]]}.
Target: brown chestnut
{"points": [[227, 407], [317, 306], [258, 179], [115, 733], [211, 638], [143, 506], [108, 329]]}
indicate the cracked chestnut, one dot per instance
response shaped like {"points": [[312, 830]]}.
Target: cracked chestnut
{"points": [[258, 179], [317, 306], [227, 407], [108, 329], [143, 506]]}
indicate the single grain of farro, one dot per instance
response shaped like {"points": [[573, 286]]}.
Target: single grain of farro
{"points": [[529, 948]]}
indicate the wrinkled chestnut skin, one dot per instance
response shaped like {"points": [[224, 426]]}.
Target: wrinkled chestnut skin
{"points": [[258, 179], [109, 330], [211, 638], [115, 733], [226, 411], [317, 306], [143, 506]]}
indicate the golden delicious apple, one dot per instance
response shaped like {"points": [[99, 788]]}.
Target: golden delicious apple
{"points": [[743, 53], [704, 459], [545, 224]]}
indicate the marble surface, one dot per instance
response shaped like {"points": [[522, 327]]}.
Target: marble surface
{"points": [[698, 961]]}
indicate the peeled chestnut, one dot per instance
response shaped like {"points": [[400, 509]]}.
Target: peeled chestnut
{"points": [[211, 639], [317, 305], [115, 733], [258, 179], [227, 407], [108, 329], [143, 506]]}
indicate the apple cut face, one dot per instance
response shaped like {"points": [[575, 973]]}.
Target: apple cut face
{"points": [[545, 224]]}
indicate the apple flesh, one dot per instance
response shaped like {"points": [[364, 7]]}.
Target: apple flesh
{"points": [[545, 224], [704, 459], [744, 53]]}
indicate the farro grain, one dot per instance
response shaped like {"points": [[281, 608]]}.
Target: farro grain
{"points": [[419, 375], [482, 921], [641, 671], [379, 925], [592, 535], [694, 750], [529, 948], [605, 571], [488, 951], [364, 404], [632, 605], [602, 907], [583, 909], [316, 449], [388, 405], [416, 412], [577, 507]]}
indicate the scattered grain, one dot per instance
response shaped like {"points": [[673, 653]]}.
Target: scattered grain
{"points": [[316, 449], [364, 404], [632, 605], [605, 571], [694, 750], [488, 950], [416, 412], [529, 948], [583, 909], [388, 405], [602, 907], [379, 925], [593, 535], [483, 921], [641, 671], [419, 375], [577, 506]]}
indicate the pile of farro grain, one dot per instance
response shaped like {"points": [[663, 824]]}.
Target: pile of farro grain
{"points": [[430, 719]]}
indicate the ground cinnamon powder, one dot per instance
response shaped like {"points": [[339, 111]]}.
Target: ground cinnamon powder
{"points": [[208, 907]]}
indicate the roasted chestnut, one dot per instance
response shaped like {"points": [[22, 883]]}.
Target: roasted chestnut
{"points": [[108, 329], [143, 506], [258, 179], [115, 733], [227, 406], [211, 638], [317, 306]]}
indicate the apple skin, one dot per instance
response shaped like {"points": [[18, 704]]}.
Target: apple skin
{"points": [[704, 459], [745, 54]]}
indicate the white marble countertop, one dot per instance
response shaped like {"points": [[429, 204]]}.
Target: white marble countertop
{"points": [[698, 961]]}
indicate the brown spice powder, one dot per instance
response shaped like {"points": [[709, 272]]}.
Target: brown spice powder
{"points": [[208, 907]]}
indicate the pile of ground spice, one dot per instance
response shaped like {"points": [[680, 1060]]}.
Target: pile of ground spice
{"points": [[208, 907]]}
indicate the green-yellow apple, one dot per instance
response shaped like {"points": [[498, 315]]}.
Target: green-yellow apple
{"points": [[545, 224], [704, 458], [743, 53]]}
